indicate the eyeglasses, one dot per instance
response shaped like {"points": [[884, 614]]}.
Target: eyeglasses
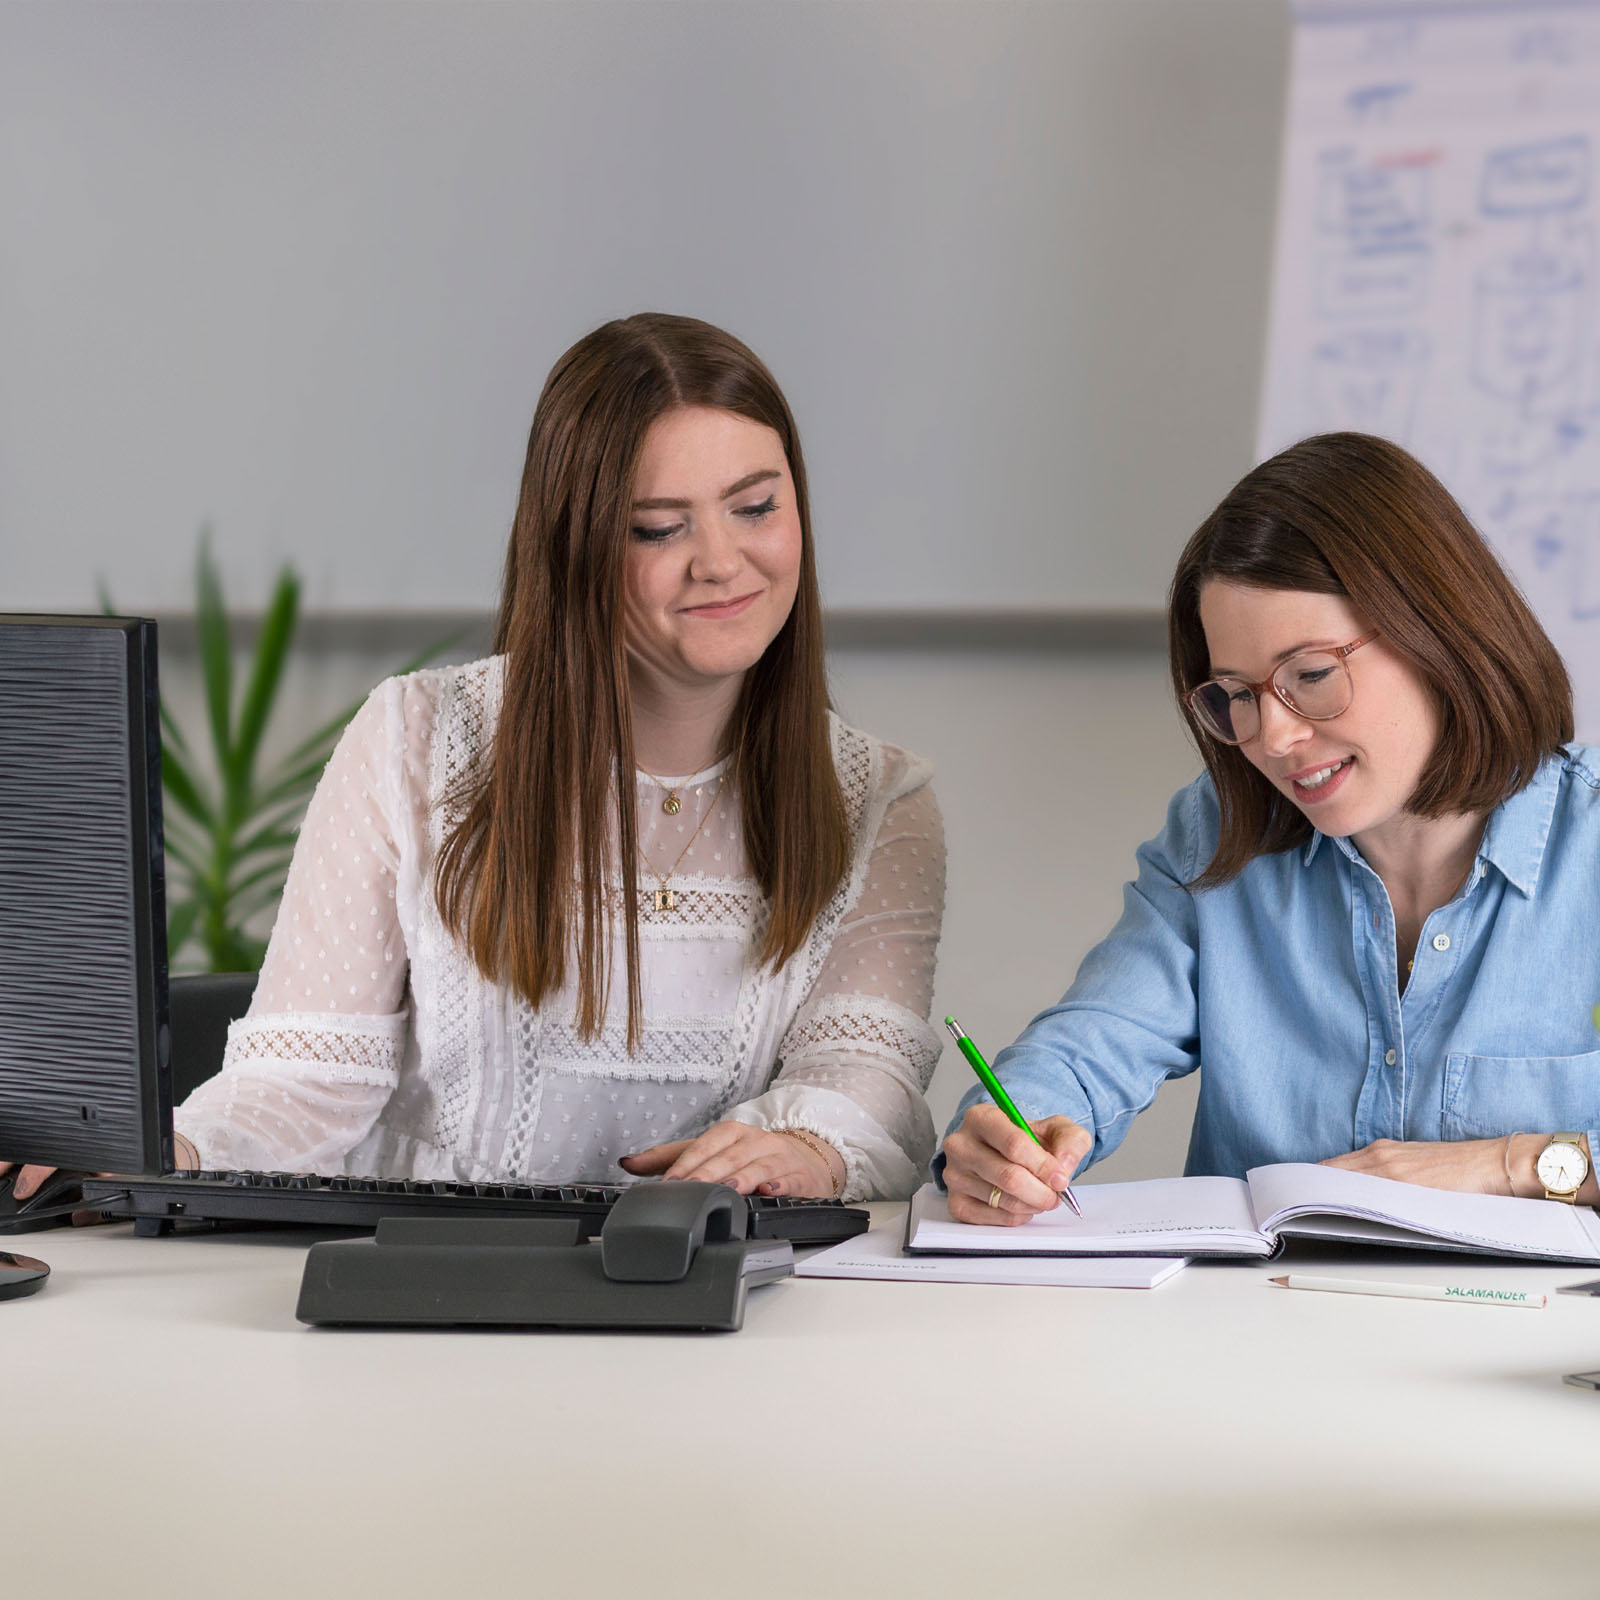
{"points": [[1315, 684]]}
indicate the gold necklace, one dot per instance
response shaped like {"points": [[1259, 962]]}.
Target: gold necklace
{"points": [[665, 899], [672, 805]]}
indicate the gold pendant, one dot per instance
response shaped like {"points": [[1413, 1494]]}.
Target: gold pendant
{"points": [[666, 900], [672, 805]]}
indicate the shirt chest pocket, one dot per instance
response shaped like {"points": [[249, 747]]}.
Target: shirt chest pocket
{"points": [[1488, 1096]]}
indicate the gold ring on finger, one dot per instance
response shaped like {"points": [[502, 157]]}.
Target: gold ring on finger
{"points": [[994, 1197]]}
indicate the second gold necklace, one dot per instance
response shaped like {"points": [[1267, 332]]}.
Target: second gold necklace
{"points": [[666, 899]]}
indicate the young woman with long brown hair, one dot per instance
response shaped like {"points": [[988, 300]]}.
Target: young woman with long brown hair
{"points": [[1371, 923], [626, 896]]}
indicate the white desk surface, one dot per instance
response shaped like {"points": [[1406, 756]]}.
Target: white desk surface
{"points": [[171, 1427]]}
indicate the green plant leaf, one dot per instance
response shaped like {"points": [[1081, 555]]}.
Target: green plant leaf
{"points": [[266, 674], [294, 785], [265, 883], [251, 905], [185, 854], [278, 868], [327, 736], [182, 788], [265, 839], [231, 849], [216, 655], [181, 919], [228, 950], [172, 735]]}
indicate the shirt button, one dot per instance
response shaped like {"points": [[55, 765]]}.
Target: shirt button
{"points": [[1388, 1059], [1441, 941]]}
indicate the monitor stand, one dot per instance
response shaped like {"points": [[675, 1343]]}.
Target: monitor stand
{"points": [[20, 1275]]}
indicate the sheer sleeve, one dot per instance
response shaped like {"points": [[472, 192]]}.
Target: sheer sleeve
{"points": [[308, 1069], [856, 1060]]}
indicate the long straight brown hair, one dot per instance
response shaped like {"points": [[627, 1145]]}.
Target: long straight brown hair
{"points": [[1353, 515], [544, 855]]}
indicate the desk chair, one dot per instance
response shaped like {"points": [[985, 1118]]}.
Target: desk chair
{"points": [[201, 1005]]}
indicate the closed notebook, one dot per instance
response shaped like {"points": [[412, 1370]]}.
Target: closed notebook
{"points": [[879, 1255], [1253, 1215]]}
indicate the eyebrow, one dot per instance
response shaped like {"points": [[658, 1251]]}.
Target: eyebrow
{"points": [[1277, 661], [749, 481]]}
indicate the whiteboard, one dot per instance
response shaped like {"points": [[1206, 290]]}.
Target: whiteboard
{"points": [[1435, 278], [299, 270]]}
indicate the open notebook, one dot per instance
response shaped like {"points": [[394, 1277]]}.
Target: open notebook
{"points": [[1251, 1216]]}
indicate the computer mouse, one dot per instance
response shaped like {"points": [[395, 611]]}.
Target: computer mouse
{"points": [[59, 1189]]}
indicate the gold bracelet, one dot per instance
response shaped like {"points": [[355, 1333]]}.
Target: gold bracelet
{"points": [[816, 1147], [1510, 1186]]}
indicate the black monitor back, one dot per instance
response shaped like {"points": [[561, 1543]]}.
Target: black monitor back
{"points": [[84, 1045]]}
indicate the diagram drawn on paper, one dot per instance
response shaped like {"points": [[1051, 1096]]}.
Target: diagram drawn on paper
{"points": [[1436, 276]]}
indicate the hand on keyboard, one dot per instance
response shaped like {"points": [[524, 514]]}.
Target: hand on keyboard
{"points": [[751, 1160]]}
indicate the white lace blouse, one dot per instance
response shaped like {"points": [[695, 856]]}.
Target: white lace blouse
{"points": [[375, 1046]]}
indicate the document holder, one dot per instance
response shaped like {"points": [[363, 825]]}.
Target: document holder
{"points": [[671, 1256]]}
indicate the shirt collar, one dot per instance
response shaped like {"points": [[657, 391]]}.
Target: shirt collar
{"points": [[1519, 828], [1515, 838]]}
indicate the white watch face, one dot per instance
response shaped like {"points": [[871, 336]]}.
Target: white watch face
{"points": [[1562, 1167]]}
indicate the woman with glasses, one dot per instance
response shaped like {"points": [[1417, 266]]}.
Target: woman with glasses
{"points": [[1372, 921]]}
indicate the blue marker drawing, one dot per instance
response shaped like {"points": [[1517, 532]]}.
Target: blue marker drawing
{"points": [[1529, 315], [1544, 46], [1375, 221], [1373, 283], [1375, 101], [1368, 380], [1442, 282], [1535, 180], [1367, 206]]}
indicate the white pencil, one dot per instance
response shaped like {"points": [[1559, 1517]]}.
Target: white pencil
{"points": [[1470, 1294]]}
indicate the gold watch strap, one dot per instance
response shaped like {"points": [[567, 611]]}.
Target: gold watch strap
{"points": [[1569, 1195]]}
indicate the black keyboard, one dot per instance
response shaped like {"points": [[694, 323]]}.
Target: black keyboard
{"points": [[155, 1204]]}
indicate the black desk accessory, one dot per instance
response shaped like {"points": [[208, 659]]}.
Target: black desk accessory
{"points": [[84, 1067], [84, 1075], [272, 1198], [49, 1206], [671, 1257], [20, 1275]]}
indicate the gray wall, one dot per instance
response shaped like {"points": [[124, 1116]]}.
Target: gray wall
{"points": [[299, 270]]}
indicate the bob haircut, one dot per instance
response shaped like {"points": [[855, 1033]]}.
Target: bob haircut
{"points": [[1355, 516], [540, 865]]}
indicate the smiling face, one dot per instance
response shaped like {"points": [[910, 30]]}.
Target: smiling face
{"points": [[714, 549], [1355, 772]]}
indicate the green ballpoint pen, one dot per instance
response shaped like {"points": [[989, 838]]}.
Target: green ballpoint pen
{"points": [[987, 1078]]}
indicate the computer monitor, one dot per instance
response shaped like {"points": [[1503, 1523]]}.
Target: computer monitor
{"points": [[85, 1072]]}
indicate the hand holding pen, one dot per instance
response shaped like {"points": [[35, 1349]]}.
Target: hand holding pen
{"points": [[1002, 1169]]}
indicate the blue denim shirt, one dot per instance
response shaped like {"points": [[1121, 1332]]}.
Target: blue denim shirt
{"points": [[1282, 988]]}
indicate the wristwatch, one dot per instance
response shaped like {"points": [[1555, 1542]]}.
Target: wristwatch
{"points": [[1562, 1166]]}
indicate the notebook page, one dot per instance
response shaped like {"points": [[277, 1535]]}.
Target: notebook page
{"points": [[1493, 1223], [879, 1255], [1158, 1216]]}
